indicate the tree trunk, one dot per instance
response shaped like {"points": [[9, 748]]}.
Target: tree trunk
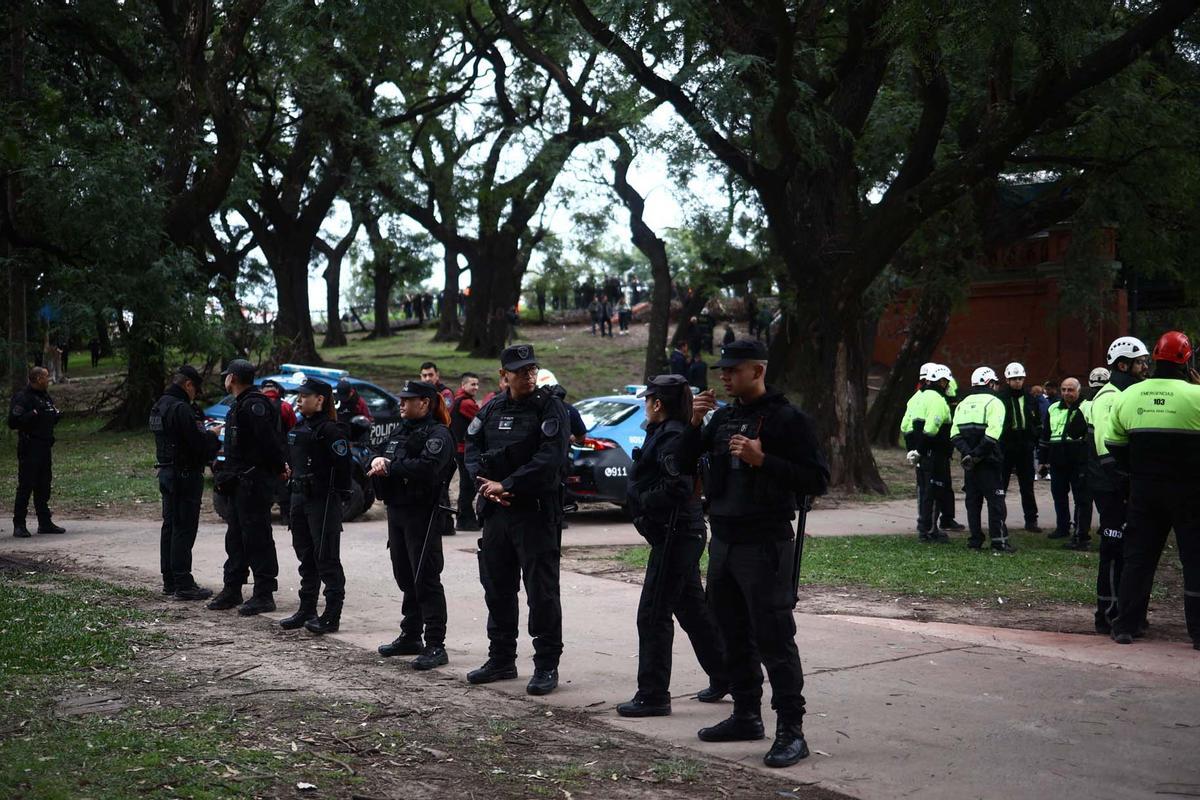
{"points": [[294, 337], [494, 291], [449, 328], [144, 379], [690, 308], [381, 277], [18, 355], [335, 335], [103, 336]]}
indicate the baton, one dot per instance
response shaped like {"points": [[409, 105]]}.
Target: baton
{"points": [[801, 521], [658, 587]]}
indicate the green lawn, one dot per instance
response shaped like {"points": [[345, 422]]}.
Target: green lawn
{"points": [[1041, 571]]}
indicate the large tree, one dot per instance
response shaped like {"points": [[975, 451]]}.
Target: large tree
{"points": [[793, 97]]}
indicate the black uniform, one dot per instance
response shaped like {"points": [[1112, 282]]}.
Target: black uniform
{"points": [[319, 455], [523, 445], [1022, 430], [254, 459], [33, 415], [753, 548], [664, 504], [420, 454], [459, 423], [182, 449]]}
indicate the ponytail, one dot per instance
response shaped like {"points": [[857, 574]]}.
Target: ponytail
{"points": [[437, 409]]}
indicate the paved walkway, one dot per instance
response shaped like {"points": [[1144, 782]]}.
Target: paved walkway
{"points": [[896, 708]]}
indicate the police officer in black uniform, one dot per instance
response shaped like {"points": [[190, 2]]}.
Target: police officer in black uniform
{"points": [[517, 454], [417, 461], [254, 460], [761, 461], [318, 474], [182, 448], [666, 511], [32, 415]]}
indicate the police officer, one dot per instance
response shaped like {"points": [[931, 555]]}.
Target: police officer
{"points": [[1152, 435], [517, 455], [182, 448], [1022, 431], [32, 415], [1064, 452], [975, 434], [666, 511], [1129, 362], [761, 459], [926, 430], [318, 473], [254, 461], [417, 461]]}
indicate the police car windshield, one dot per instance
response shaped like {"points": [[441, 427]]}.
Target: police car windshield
{"points": [[605, 413]]}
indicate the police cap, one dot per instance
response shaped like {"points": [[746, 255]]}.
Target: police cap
{"points": [[343, 388], [317, 387], [517, 357], [740, 350], [418, 389], [190, 372], [667, 387], [241, 369]]}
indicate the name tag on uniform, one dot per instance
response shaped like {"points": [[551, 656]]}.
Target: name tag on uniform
{"points": [[506, 423]]}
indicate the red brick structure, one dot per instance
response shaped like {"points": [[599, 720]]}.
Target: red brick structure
{"points": [[1017, 313]]}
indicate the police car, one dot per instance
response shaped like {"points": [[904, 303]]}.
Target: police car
{"points": [[600, 464]]}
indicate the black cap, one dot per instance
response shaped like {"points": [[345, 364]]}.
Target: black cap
{"points": [[740, 350], [418, 389], [271, 382], [241, 369], [189, 372], [517, 357], [315, 386], [343, 388], [665, 386]]}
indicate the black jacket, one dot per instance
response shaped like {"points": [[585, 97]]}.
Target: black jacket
{"points": [[521, 443], [659, 491], [254, 434], [420, 454], [33, 415], [180, 439], [1022, 426]]}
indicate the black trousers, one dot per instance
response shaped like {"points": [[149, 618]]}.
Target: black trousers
{"points": [[1113, 511], [751, 593], [182, 491], [423, 608], [466, 494], [249, 546], [316, 524], [1154, 509], [984, 483], [1066, 481], [606, 326], [933, 483], [522, 545], [673, 577], [1019, 459], [34, 475]]}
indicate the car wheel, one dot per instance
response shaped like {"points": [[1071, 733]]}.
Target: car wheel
{"points": [[356, 504]]}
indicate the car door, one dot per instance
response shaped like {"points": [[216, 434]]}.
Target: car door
{"points": [[385, 411]]}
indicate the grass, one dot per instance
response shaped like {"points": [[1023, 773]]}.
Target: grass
{"points": [[1041, 572], [92, 469]]}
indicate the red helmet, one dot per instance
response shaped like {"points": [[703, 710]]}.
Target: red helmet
{"points": [[1173, 346]]}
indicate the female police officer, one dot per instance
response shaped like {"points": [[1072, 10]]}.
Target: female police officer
{"points": [[667, 512], [318, 471], [417, 461]]}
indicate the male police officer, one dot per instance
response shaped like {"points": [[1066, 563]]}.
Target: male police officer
{"points": [[182, 448], [926, 429], [1064, 451], [762, 460], [1153, 432], [33, 416], [975, 433], [1129, 362], [254, 461], [1022, 430], [517, 454]]}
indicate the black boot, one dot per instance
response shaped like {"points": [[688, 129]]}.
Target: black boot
{"points": [[432, 656], [401, 646], [789, 746], [258, 603], [1077, 544], [493, 670], [741, 726], [303, 614], [227, 598], [637, 707], [544, 681], [714, 693], [50, 527], [329, 621], [193, 593], [952, 525], [20, 531]]}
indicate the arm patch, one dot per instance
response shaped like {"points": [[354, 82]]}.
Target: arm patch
{"points": [[670, 465], [475, 427], [258, 408], [433, 445], [341, 448], [550, 428]]}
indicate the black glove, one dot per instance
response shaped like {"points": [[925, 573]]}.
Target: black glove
{"points": [[969, 462]]}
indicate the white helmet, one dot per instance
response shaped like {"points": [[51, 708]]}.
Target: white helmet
{"points": [[982, 376], [1014, 370], [1126, 347], [546, 378], [1098, 377], [940, 372], [925, 368]]}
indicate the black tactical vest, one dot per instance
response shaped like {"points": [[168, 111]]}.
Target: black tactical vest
{"points": [[734, 488], [406, 440], [164, 443]]}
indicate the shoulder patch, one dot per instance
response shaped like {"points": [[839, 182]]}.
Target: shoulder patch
{"points": [[258, 408], [475, 427], [670, 465], [18, 410], [433, 445], [341, 447], [550, 428]]}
